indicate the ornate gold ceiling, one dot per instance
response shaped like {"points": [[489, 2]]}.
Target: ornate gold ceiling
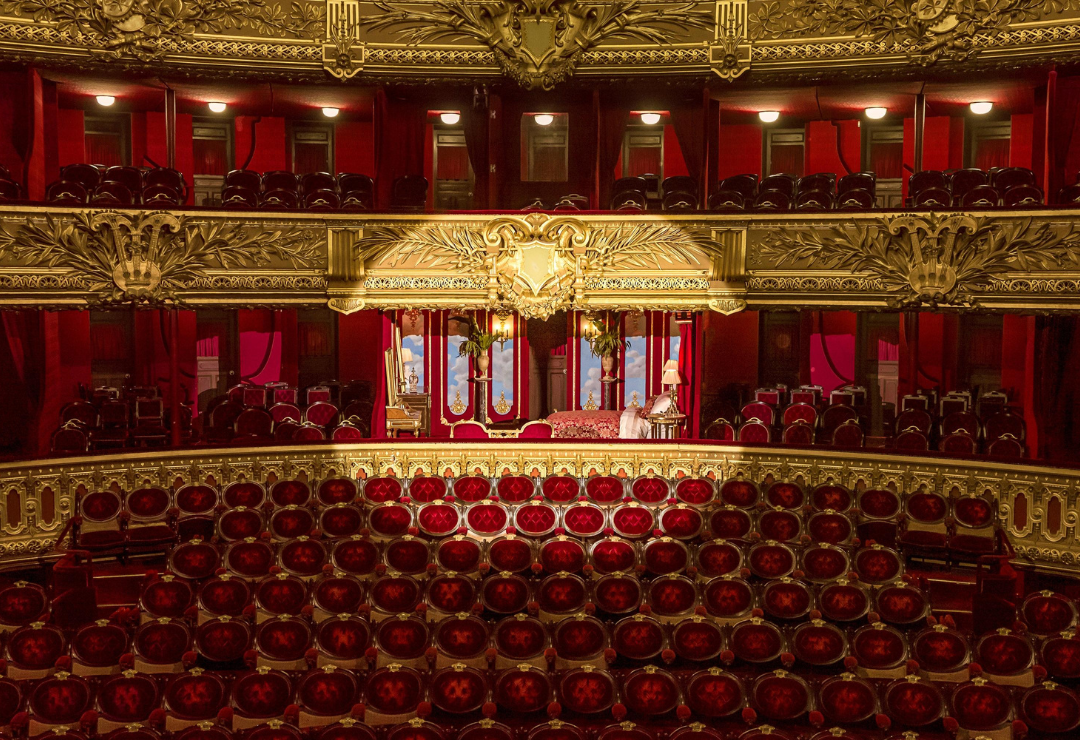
{"points": [[539, 263], [538, 43]]}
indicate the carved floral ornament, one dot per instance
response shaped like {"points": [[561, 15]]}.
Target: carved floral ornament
{"points": [[537, 264], [147, 257], [932, 259]]}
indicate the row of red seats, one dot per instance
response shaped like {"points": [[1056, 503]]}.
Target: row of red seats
{"points": [[96, 185], [1012, 187]]}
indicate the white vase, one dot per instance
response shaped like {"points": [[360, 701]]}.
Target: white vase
{"points": [[607, 362], [482, 363]]}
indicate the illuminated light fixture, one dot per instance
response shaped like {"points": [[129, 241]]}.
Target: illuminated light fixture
{"points": [[450, 119], [981, 107], [330, 112], [217, 107], [876, 113], [769, 116], [105, 100], [650, 119], [502, 326], [543, 119]]}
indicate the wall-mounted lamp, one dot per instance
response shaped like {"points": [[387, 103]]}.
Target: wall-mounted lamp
{"points": [[450, 118], [217, 107], [543, 119], [105, 100], [769, 116], [330, 112], [650, 119], [981, 107]]}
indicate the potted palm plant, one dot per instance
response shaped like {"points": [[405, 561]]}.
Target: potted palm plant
{"points": [[608, 342], [477, 346]]}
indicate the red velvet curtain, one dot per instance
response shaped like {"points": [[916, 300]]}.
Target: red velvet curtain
{"points": [[104, 149], [378, 416], [474, 122], [310, 158], [19, 368], [992, 153], [887, 161], [1066, 104], [690, 369], [1056, 405], [688, 119], [211, 157], [400, 127], [613, 119], [786, 159]]}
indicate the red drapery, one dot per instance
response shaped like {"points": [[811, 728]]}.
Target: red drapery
{"points": [[887, 160], [399, 141], [474, 122], [211, 157], [992, 153], [688, 119], [786, 158], [310, 158], [690, 369], [1066, 105], [613, 119]]}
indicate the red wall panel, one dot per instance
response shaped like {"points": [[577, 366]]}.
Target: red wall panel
{"points": [[740, 150], [270, 143]]}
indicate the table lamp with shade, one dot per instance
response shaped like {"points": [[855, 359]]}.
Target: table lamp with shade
{"points": [[673, 380]]}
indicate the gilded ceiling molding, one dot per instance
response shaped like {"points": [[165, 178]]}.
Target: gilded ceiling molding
{"points": [[539, 43], [537, 263], [149, 257], [934, 259], [926, 31], [139, 28]]}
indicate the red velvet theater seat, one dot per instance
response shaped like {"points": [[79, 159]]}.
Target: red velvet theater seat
{"points": [[651, 693], [925, 532], [223, 640], [556, 730], [832, 496], [356, 556], [1050, 710], [697, 640], [847, 699], [731, 523], [149, 524], [58, 701], [695, 491], [587, 692], [579, 640], [843, 601], [771, 560], [164, 597], [458, 690], [32, 651], [715, 694], [450, 593], [974, 531], [742, 494], [511, 554], [650, 490], [258, 696], [683, 522], [818, 643], [438, 519], [195, 506], [347, 729], [520, 639], [1047, 613], [671, 597], [877, 564], [560, 488], [272, 731], [416, 729], [392, 696], [192, 698], [96, 649], [290, 522], [879, 509], [460, 554], [290, 493], [379, 490], [223, 596], [942, 652], [780, 696], [343, 641], [240, 523], [125, 700], [786, 599], [402, 639], [602, 489], [913, 703], [161, 646], [1006, 657], [881, 651], [195, 560], [22, 603], [488, 520], [638, 638], [100, 528], [515, 489], [336, 491], [407, 555], [395, 594], [388, 520], [486, 729], [665, 556], [901, 605], [785, 495], [717, 558], [825, 563], [779, 525], [524, 689], [506, 593], [756, 642], [727, 598], [461, 639], [280, 595], [613, 555], [302, 557], [584, 520], [426, 488], [980, 706], [562, 554], [326, 695], [249, 558], [561, 594], [831, 527], [534, 519], [471, 488], [244, 493], [340, 521]]}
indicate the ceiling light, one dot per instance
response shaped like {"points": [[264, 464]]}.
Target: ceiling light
{"points": [[543, 119], [106, 100], [330, 112], [217, 107], [876, 113], [650, 119], [768, 116], [980, 107], [450, 119]]}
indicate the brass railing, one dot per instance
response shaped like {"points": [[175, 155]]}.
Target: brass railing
{"points": [[1037, 505]]}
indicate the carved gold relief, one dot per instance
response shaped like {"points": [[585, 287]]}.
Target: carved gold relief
{"points": [[539, 43]]}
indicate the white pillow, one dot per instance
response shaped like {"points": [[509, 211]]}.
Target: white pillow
{"points": [[661, 404]]}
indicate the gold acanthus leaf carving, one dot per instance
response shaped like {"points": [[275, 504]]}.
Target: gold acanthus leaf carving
{"points": [[933, 259], [135, 28], [147, 257], [539, 42], [928, 30]]}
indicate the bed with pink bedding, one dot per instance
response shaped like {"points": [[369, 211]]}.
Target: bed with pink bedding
{"points": [[628, 424]]}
